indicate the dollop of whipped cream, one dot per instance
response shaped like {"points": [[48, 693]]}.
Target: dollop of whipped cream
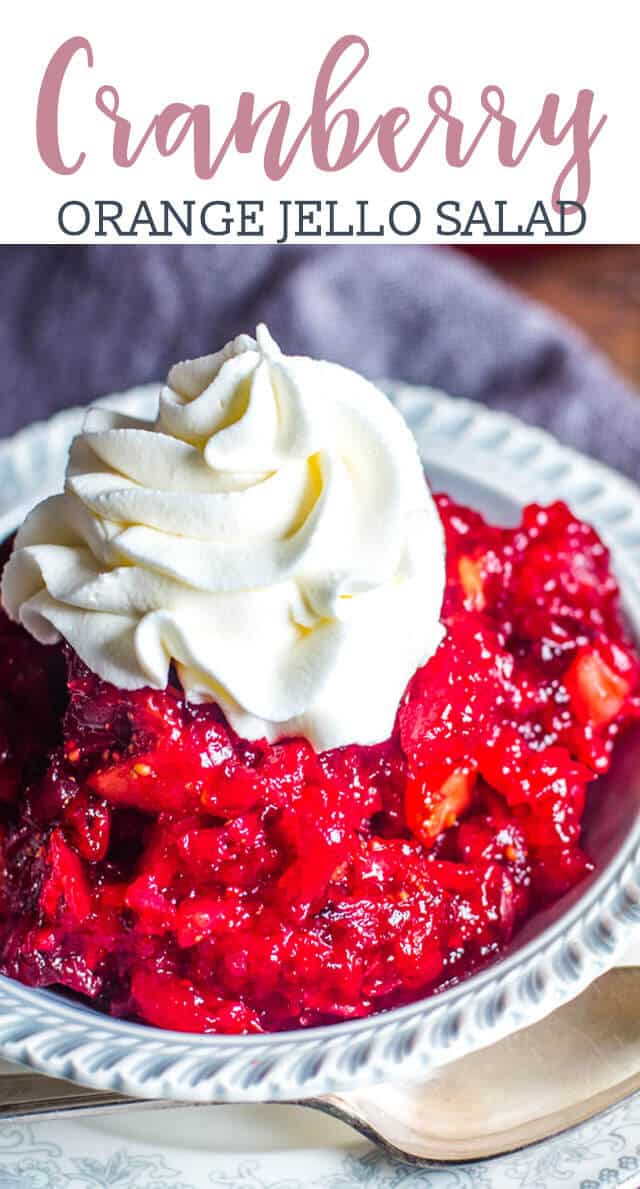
{"points": [[270, 533]]}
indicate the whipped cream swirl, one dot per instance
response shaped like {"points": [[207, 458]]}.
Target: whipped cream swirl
{"points": [[270, 532]]}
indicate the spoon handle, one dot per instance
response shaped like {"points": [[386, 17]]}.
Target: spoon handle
{"points": [[27, 1095]]}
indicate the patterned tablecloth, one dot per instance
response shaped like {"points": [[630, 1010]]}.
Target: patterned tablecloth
{"points": [[107, 1155]]}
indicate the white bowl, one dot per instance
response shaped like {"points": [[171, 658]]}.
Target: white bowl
{"points": [[496, 464]]}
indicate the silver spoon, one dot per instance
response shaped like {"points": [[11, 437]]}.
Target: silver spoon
{"points": [[577, 1062]]}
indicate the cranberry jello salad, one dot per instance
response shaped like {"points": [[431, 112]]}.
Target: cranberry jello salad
{"points": [[284, 738]]}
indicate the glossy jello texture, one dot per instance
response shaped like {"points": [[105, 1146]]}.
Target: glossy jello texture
{"points": [[173, 873]]}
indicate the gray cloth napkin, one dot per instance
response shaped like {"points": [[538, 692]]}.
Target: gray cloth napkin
{"points": [[77, 322]]}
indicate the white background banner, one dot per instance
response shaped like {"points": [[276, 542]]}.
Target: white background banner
{"points": [[217, 122]]}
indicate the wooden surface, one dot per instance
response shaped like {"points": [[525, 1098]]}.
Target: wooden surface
{"points": [[597, 287]]}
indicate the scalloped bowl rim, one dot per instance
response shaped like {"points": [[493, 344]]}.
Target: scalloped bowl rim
{"points": [[64, 1038]]}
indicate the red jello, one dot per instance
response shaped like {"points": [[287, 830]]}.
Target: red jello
{"points": [[172, 872]]}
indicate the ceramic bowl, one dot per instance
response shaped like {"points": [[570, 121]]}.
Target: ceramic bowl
{"points": [[496, 464]]}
